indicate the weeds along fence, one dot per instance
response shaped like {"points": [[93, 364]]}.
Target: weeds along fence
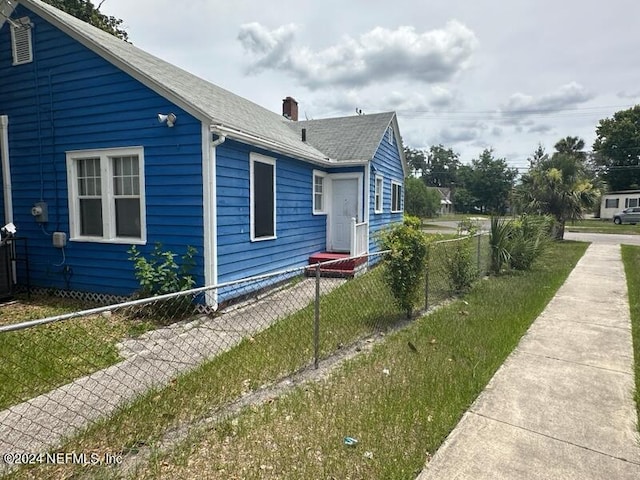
{"points": [[124, 375]]}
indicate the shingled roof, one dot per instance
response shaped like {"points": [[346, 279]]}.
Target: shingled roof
{"points": [[354, 138], [221, 108]]}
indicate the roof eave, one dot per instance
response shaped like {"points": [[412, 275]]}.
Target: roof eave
{"points": [[271, 145]]}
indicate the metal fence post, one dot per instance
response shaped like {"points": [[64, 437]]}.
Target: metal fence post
{"points": [[316, 321], [478, 254], [426, 280]]}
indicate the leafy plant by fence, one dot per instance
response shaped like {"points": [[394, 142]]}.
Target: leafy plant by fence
{"points": [[517, 243], [106, 379]]}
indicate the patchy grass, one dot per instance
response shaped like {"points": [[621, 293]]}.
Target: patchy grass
{"points": [[24, 309], [396, 417], [631, 259], [601, 226], [457, 217], [357, 308], [39, 359], [398, 402]]}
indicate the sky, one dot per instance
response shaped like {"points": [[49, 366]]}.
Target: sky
{"points": [[469, 75]]}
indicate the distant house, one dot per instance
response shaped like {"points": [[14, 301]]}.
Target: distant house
{"points": [[446, 205], [613, 202], [254, 191]]}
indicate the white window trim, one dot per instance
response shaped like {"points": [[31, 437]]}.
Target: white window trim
{"points": [[390, 135], [21, 31], [325, 192], [376, 194], [399, 185], [108, 204], [253, 158]]}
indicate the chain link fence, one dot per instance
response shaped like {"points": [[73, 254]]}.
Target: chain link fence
{"points": [[119, 378]]}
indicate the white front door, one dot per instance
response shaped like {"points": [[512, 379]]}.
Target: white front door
{"points": [[344, 207]]}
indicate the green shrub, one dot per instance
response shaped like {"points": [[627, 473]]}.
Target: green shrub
{"points": [[518, 243], [468, 226], [159, 275], [405, 263], [530, 237], [459, 264], [499, 242], [412, 221]]}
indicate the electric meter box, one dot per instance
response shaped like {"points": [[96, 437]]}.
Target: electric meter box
{"points": [[59, 239]]}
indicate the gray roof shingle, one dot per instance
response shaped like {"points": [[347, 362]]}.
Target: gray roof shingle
{"points": [[354, 138]]}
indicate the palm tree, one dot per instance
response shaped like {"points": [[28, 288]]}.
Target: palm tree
{"points": [[571, 146], [558, 186]]}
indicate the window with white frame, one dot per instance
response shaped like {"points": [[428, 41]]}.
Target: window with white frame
{"points": [[396, 197], [612, 203], [378, 192], [263, 197], [630, 202], [106, 195], [319, 192]]}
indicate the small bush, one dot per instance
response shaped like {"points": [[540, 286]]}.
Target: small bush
{"points": [[499, 241], [405, 263], [530, 237], [159, 275], [468, 226], [518, 243], [412, 221], [459, 265]]}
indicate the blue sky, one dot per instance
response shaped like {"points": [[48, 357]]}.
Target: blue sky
{"points": [[469, 75]]}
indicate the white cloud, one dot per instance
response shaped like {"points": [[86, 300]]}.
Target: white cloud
{"points": [[566, 96], [441, 97], [379, 55]]}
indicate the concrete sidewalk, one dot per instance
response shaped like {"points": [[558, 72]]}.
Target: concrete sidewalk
{"points": [[561, 406]]}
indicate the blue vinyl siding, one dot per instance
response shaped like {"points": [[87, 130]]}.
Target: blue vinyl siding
{"points": [[299, 233], [386, 162], [71, 99]]}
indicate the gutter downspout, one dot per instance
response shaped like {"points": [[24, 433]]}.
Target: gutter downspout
{"points": [[211, 268], [6, 181], [6, 169]]}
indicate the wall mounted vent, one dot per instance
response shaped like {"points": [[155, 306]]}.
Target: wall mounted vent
{"points": [[21, 41]]}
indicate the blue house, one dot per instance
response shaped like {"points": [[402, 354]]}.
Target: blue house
{"points": [[89, 170]]}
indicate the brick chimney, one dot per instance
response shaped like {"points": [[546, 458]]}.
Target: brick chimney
{"points": [[290, 109]]}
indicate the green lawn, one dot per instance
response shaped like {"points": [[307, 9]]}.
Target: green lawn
{"points": [[601, 226], [631, 259], [400, 404], [36, 360]]}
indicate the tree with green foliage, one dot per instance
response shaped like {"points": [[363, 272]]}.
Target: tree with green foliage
{"points": [[442, 167], [559, 186], [617, 149], [419, 200], [405, 263], [86, 11], [489, 182], [415, 160]]}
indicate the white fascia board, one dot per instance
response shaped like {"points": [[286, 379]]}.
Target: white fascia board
{"points": [[281, 148]]}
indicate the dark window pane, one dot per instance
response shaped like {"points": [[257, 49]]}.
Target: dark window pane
{"points": [[91, 217], [128, 217], [263, 205]]}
